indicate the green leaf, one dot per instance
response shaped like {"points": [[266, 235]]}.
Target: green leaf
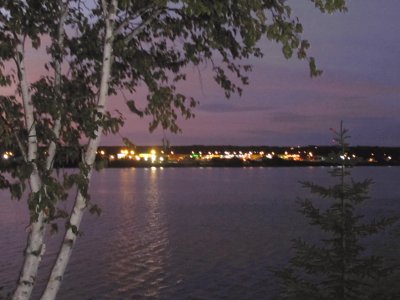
{"points": [[95, 209], [132, 108], [287, 51]]}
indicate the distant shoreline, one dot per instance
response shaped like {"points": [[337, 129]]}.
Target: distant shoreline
{"points": [[132, 156], [245, 156], [239, 164]]}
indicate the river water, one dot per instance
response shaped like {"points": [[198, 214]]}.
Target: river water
{"points": [[191, 233]]}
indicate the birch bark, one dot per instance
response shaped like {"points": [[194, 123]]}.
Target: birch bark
{"points": [[57, 273], [35, 243], [35, 246]]}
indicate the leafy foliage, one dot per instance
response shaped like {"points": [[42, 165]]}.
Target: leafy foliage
{"points": [[59, 117], [154, 42]]}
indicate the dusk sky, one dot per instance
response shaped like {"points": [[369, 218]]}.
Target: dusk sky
{"points": [[359, 52]]}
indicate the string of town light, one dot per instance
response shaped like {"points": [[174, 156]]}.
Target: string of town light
{"points": [[233, 155], [207, 156]]}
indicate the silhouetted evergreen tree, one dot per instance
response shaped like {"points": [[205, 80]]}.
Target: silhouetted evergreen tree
{"points": [[337, 266]]}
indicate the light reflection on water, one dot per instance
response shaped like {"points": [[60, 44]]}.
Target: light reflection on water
{"points": [[186, 233], [140, 251]]}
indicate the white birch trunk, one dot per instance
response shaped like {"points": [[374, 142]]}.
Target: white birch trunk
{"points": [[35, 247], [57, 273], [35, 244]]}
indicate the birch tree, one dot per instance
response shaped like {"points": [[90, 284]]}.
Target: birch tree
{"points": [[19, 124], [108, 47], [40, 117]]}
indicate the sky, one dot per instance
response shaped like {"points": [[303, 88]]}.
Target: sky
{"points": [[358, 52]]}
